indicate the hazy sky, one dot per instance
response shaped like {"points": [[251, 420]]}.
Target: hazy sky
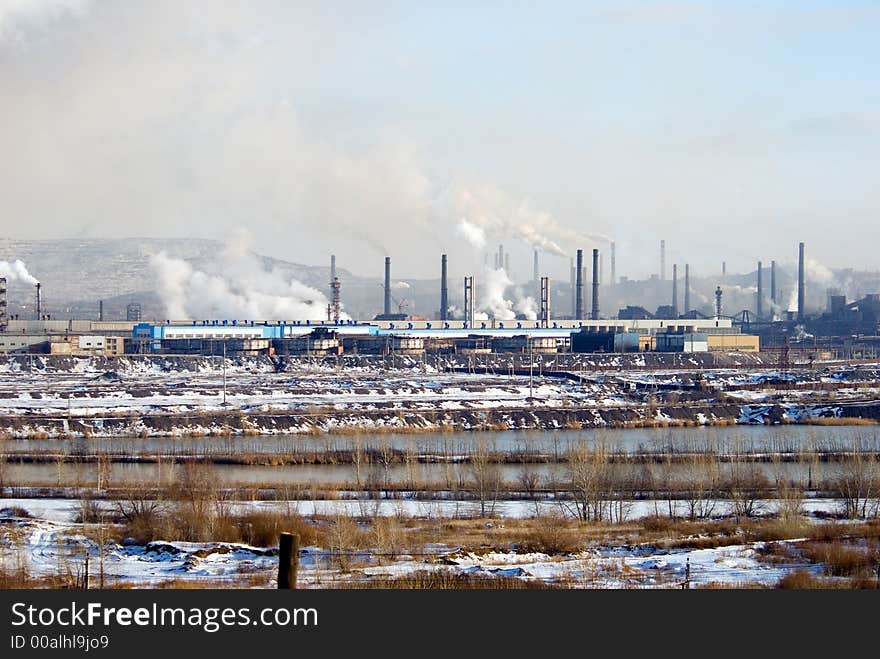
{"points": [[731, 129]]}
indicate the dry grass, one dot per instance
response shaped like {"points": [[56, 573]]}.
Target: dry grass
{"points": [[445, 580], [841, 421], [804, 580]]}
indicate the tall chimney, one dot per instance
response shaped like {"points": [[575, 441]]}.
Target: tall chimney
{"points": [[4, 315], [100, 310], [545, 302], [687, 287], [594, 310], [500, 257], [662, 260], [469, 301], [613, 263], [573, 291], [759, 301], [800, 283], [444, 293], [773, 282], [335, 301], [579, 292], [39, 302], [675, 290], [724, 268], [718, 303], [387, 311]]}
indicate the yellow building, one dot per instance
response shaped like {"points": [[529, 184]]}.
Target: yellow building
{"points": [[734, 342]]}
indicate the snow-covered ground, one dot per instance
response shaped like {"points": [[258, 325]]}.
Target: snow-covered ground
{"points": [[51, 543]]}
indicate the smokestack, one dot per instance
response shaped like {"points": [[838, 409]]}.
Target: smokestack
{"points": [[39, 302], [573, 291], [773, 282], [4, 316], [545, 302], [579, 299], [675, 290], [724, 268], [444, 294], [687, 287], [718, 303], [613, 263], [759, 301], [800, 283], [594, 311], [500, 257], [469, 301], [387, 285], [536, 275], [100, 310], [507, 264], [662, 260], [335, 303]]}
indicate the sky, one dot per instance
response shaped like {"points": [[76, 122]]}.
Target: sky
{"points": [[732, 130]]}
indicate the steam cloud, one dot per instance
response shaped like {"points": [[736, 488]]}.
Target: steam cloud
{"points": [[239, 288], [496, 305], [17, 271]]}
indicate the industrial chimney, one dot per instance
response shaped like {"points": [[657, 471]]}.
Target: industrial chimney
{"points": [[39, 301], [773, 282], [759, 301], [387, 311], [594, 310], [335, 303], [469, 301], [4, 316], [573, 291], [687, 288], [444, 293], [675, 290], [545, 302], [579, 289], [718, 303], [800, 283], [100, 310]]}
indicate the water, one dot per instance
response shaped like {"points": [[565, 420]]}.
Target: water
{"points": [[411, 472]]}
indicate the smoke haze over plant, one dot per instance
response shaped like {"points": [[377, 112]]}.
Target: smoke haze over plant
{"points": [[409, 130]]}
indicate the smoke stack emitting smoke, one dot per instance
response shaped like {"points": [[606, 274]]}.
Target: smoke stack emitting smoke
{"points": [[240, 288], [17, 271]]}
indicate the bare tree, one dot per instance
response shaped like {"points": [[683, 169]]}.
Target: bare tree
{"points": [[858, 482], [530, 481], [588, 472], [485, 476]]}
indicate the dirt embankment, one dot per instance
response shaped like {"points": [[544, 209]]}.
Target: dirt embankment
{"points": [[384, 420]]}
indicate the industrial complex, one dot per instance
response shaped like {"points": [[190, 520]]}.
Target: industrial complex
{"points": [[845, 329]]}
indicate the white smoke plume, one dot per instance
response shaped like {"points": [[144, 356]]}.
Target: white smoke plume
{"points": [[472, 233], [401, 285], [239, 287], [16, 271], [526, 306], [489, 210], [494, 304]]}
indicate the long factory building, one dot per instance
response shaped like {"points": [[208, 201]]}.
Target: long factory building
{"points": [[84, 337]]}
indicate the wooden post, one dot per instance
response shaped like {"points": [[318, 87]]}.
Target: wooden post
{"points": [[288, 560]]}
